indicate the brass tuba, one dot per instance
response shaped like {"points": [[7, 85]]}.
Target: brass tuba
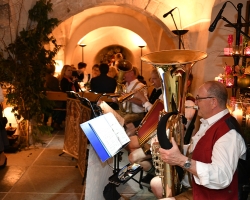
{"points": [[123, 66], [174, 67]]}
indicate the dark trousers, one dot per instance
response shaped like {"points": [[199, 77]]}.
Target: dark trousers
{"points": [[4, 142]]}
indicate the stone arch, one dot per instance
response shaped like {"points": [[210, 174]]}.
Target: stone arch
{"points": [[152, 30]]}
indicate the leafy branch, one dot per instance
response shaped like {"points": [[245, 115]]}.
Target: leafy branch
{"points": [[23, 65]]}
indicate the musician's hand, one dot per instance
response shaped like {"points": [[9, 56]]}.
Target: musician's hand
{"points": [[114, 99], [173, 156]]}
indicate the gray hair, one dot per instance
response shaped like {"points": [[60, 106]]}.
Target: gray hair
{"points": [[217, 90]]}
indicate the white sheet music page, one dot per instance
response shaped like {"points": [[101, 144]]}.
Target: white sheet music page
{"points": [[106, 109], [117, 129], [107, 128]]}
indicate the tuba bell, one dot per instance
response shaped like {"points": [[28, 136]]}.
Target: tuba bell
{"points": [[123, 66], [174, 68]]}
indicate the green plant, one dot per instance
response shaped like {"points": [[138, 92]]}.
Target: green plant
{"points": [[23, 63]]}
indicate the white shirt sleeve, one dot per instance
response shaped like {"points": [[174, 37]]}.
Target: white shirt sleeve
{"points": [[147, 105], [1, 95], [226, 152]]}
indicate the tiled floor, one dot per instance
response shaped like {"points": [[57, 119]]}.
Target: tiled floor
{"points": [[39, 173]]}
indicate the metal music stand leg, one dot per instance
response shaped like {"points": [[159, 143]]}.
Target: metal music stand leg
{"points": [[117, 159]]}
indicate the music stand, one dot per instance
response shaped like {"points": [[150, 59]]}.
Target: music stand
{"points": [[93, 133]]}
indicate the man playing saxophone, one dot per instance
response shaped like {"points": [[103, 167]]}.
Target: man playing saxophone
{"points": [[214, 150]]}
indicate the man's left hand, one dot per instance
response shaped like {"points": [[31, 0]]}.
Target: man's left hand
{"points": [[172, 156]]}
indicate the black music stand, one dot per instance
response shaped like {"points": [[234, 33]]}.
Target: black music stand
{"points": [[110, 192]]}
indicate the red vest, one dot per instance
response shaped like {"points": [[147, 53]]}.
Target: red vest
{"points": [[203, 153]]}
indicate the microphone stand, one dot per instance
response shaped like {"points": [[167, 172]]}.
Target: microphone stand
{"points": [[178, 32], [236, 57]]}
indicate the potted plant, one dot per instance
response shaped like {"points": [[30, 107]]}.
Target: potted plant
{"points": [[23, 67]]}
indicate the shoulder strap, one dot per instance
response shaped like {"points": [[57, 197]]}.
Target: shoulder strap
{"points": [[128, 104], [190, 129], [134, 86]]}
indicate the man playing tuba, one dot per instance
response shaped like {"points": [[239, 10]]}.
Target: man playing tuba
{"points": [[131, 109], [215, 149]]}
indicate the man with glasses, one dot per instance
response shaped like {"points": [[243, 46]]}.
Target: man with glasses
{"points": [[215, 149]]}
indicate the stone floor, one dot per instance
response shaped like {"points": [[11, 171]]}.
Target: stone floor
{"points": [[40, 173]]}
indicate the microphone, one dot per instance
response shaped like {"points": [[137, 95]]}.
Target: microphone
{"points": [[218, 17], [166, 14]]}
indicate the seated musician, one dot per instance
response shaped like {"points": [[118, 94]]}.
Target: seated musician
{"points": [[137, 154], [218, 149], [132, 109]]}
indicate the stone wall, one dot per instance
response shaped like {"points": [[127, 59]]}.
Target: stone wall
{"points": [[95, 18]]}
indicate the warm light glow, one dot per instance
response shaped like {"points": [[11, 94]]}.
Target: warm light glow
{"points": [[137, 40], [129, 37], [237, 113], [229, 81], [247, 51], [81, 41], [197, 22], [219, 79], [59, 66], [10, 116], [248, 120]]}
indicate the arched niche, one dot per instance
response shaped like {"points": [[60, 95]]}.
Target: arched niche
{"points": [[106, 54]]}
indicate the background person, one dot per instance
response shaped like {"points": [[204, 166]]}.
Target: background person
{"points": [[95, 70], [67, 82], [103, 83], [80, 72], [52, 84]]}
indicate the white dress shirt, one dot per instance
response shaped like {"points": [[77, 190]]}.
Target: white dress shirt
{"points": [[225, 155], [147, 105], [135, 108]]}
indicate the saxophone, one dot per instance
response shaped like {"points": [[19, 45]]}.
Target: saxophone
{"points": [[174, 68]]}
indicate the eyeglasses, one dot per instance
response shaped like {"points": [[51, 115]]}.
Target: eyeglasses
{"points": [[200, 98]]}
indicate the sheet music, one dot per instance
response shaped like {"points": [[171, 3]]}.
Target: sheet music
{"points": [[110, 132], [117, 129], [106, 109]]}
